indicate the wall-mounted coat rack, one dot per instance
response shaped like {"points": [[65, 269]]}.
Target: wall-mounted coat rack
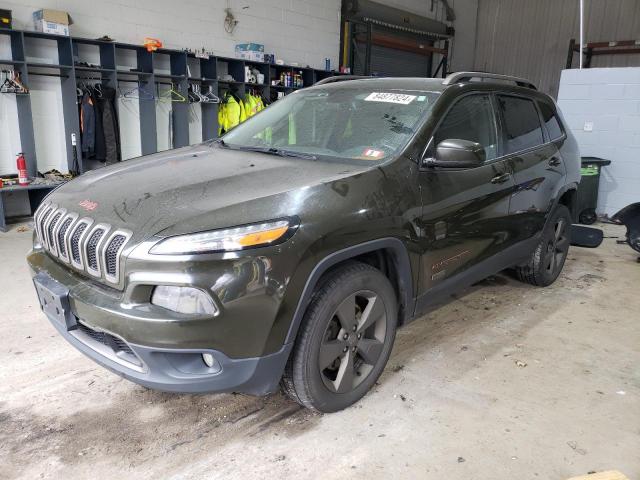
{"points": [[214, 74]]}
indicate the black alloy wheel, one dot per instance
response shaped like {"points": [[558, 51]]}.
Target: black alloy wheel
{"points": [[353, 341], [345, 338]]}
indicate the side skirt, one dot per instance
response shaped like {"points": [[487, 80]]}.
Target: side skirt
{"points": [[441, 293]]}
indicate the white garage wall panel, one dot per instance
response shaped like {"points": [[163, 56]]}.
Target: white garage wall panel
{"points": [[302, 31], [602, 109]]}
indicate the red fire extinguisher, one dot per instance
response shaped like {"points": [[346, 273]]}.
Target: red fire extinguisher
{"points": [[23, 179]]}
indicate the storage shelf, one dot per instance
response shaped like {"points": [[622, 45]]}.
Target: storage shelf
{"points": [[11, 62], [47, 36], [115, 59], [129, 72], [55, 66], [282, 87], [169, 76], [91, 41], [203, 80], [93, 69]]}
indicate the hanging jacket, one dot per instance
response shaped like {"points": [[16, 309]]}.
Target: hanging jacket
{"points": [[243, 110], [100, 150], [221, 118], [110, 125], [232, 113], [87, 125]]}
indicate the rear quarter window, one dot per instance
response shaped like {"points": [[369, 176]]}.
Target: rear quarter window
{"points": [[551, 121], [521, 126]]}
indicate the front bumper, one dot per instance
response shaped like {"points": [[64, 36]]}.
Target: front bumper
{"points": [[164, 369], [163, 350]]}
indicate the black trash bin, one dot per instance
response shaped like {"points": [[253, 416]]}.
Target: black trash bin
{"points": [[587, 199]]}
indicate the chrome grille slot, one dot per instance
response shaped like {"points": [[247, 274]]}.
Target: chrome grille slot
{"points": [[36, 220], [61, 237], [50, 229], [42, 222], [111, 253], [74, 243], [92, 247]]}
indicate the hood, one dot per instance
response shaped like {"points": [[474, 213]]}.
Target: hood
{"points": [[156, 192]]}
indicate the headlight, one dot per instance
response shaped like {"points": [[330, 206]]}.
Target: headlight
{"points": [[227, 240], [183, 300]]}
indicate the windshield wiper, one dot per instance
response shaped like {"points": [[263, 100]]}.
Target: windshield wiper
{"points": [[278, 151]]}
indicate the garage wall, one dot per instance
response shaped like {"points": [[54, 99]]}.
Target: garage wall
{"points": [[531, 38], [602, 109], [462, 49], [303, 31]]}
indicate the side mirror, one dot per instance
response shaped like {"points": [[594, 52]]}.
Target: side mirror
{"points": [[456, 153]]}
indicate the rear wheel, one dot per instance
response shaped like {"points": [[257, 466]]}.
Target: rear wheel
{"points": [[345, 340], [548, 258]]}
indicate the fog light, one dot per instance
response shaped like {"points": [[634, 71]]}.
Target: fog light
{"points": [[183, 300], [209, 361]]}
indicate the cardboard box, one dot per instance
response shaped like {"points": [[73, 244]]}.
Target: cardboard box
{"points": [[250, 51], [5, 18], [251, 56], [250, 47], [52, 21]]}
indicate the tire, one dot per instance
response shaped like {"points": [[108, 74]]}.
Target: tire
{"points": [[588, 216], [548, 258], [354, 308]]}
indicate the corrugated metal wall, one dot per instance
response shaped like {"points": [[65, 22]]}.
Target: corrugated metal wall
{"points": [[530, 38]]}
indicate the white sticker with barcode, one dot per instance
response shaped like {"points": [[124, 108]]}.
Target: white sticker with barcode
{"points": [[390, 98]]}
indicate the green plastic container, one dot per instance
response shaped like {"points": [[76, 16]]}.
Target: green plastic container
{"points": [[587, 199]]}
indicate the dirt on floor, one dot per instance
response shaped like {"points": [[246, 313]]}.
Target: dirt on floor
{"points": [[506, 381]]}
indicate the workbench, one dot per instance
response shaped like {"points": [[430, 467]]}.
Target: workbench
{"points": [[36, 194]]}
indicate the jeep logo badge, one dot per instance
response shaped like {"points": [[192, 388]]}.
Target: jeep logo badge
{"points": [[88, 205]]}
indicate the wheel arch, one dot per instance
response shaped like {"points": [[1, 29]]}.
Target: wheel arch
{"points": [[567, 196], [389, 253]]}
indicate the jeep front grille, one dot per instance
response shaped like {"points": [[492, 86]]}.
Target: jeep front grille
{"points": [[62, 247], [51, 228], [94, 248], [75, 242], [42, 220], [112, 254]]}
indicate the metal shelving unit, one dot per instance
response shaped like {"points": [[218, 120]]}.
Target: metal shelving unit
{"points": [[148, 70]]}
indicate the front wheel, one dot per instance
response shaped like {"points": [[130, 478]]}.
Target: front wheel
{"points": [[345, 339], [548, 258]]}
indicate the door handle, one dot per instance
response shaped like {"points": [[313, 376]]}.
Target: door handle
{"points": [[554, 162], [501, 178]]}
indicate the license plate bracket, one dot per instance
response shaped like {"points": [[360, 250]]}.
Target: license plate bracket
{"points": [[54, 300]]}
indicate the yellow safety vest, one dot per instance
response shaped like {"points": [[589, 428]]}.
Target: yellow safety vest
{"points": [[233, 113]]}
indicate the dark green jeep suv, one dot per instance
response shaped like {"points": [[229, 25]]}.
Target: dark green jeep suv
{"points": [[289, 251]]}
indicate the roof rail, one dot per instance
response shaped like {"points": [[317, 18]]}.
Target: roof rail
{"points": [[458, 77], [340, 78]]}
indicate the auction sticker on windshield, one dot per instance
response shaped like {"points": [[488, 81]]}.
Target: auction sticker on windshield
{"points": [[390, 98]]}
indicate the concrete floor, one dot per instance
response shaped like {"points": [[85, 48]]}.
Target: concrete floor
{"points": [[505, 382]]}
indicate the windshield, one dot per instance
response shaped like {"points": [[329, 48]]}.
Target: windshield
{"points": [[349, 122]]}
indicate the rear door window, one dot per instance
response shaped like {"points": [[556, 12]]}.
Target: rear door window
{"points": [[471, 118], [521, 126], [551, 121]]}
